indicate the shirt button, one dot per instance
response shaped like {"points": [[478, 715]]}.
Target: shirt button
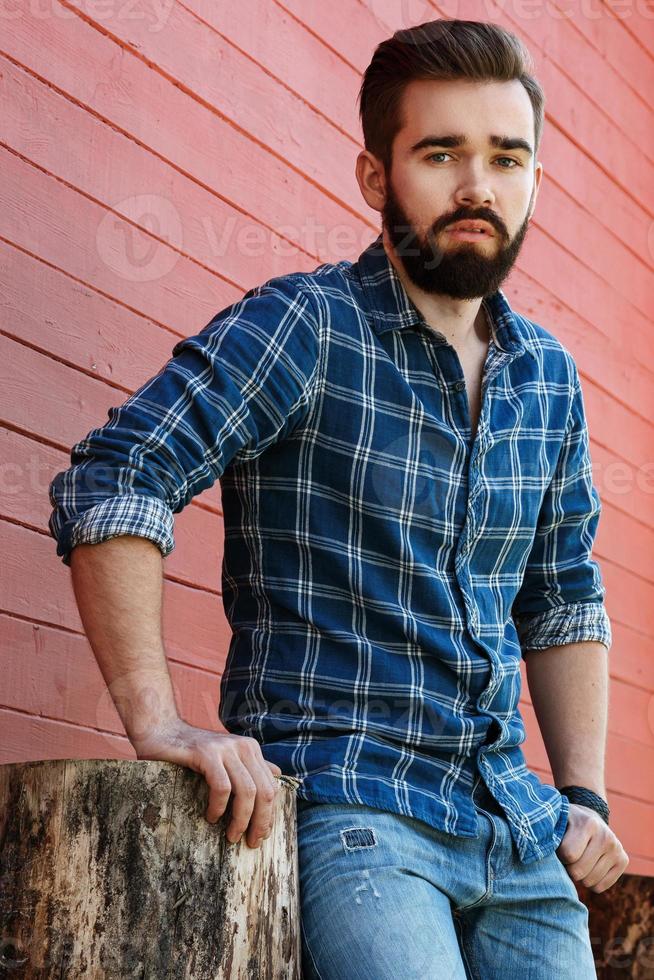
{"points": [[459, 386]]}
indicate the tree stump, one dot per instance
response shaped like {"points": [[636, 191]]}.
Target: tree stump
{"points": [[109, 869], [621, 924]]}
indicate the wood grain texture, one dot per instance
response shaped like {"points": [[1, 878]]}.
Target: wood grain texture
{"points": [[110, 869]]}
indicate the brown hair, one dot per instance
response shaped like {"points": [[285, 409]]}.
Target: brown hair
{"points": [[439, 49]]}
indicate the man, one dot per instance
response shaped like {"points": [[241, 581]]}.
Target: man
{"points": [[408, 508]]}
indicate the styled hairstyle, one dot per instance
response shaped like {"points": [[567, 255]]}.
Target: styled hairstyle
{"points": [[439, 49]]}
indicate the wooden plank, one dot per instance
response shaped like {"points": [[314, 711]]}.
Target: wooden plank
{"points": [[632, 655], [272, 38], [367, 26], [283, 123], [617, 48], [625, 595], [577, 233], [190, 68], [627, 543], [35, 586], [46, 414], [28, 469], [123, 262], [582, 289], [152, 194], [107, 340], [52, 673], [159, 114], [25, 738], [581, 179], [189, 637], [621, 484], [77, 325], [590, 188], [63, 421]]}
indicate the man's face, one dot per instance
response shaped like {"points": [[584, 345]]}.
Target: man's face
{"points": [[431, 186]]}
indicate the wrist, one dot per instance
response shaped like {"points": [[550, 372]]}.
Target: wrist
{"points": [[594, 782], [583, 796], [145, 700]]}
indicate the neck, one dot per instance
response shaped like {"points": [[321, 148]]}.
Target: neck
{"points": [[461, 321]]}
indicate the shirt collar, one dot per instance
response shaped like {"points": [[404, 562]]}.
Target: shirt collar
{"points": [[391, 308]]}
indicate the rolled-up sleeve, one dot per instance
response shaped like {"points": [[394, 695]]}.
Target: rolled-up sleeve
{"points": [[561, 599], [228, 392]]}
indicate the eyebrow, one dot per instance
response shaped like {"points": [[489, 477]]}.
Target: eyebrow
{"points": [[454, 140]]}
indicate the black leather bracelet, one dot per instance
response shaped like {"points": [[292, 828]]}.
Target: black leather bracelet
{"points": [[586, 797]]}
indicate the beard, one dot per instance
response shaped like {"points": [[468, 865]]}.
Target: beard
{"points": [[462, 270]]}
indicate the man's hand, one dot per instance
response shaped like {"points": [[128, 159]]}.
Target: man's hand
{"points": [[230, 764], [590, 851]]}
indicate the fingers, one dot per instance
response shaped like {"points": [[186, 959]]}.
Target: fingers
{"points": [[254, 793], [263, 814], [233, 767], [220, 789]]}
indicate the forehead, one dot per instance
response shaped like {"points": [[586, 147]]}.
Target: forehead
{"points": [[464, 106]]}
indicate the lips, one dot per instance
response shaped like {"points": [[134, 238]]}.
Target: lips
{"points": [[470, 225]]}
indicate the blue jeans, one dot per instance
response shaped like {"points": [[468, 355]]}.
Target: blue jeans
{"points": [[385, 896]]}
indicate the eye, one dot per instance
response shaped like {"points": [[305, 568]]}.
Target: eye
{"points": [[512, 164]]}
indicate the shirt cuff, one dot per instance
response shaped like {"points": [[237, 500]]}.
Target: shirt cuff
{"points": [[573, 622], [135, 514]]}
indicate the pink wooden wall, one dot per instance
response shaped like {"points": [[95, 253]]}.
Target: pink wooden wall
{"points": [[157, 161]]}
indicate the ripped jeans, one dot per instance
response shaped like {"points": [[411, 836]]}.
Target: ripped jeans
{"points": [[385, 896]]}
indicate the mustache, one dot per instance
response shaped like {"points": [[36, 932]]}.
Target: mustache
{"points": [[484, 214]]}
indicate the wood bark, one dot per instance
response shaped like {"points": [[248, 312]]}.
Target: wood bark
{"points": [[109, 869], [621, 924]]}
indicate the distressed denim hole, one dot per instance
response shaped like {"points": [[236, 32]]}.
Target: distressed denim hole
{"points": [[358, 837]]}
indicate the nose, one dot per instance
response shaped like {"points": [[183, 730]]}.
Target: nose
{"points": [[474, 190]]}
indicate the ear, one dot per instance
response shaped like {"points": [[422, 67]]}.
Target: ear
{"points": [[538, 174], [371, 179]]}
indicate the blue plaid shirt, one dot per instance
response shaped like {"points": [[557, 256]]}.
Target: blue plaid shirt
{"points": [[383, 569]]}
